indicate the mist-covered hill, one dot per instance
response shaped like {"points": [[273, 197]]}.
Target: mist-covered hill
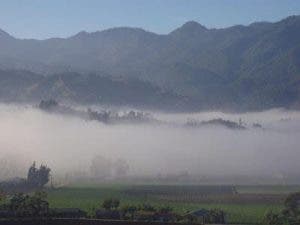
{"points": [[24, 86], [241, 67]]}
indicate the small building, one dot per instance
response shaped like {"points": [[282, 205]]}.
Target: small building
{"points": [[67, 213], [108, 214], [155, 217], [206, 216], [145, 216], [165, 217], [198, 216]]}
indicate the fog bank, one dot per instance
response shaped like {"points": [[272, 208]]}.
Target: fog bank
{"points": [[69, 144]]}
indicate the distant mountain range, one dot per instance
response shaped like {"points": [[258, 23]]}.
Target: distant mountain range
{"points": [[241, 67]]}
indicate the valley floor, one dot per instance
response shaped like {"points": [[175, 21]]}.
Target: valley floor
{"points": [[90, 197]]}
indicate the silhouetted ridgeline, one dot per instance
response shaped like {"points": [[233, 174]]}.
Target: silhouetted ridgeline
{"points": [[217, 122], [134, 117], [104, 116]]}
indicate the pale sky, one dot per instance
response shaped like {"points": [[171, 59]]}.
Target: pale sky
{"points": [[62, 18]]}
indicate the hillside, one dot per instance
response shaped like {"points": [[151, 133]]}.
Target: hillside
{"points": [[24, 86], [241, 67]]}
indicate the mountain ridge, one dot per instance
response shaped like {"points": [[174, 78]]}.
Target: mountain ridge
{"points": [[189, 22], [251, 67]]}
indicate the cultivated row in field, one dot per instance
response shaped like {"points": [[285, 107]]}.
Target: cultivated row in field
{"points": [[180, 190], [227, 199]]}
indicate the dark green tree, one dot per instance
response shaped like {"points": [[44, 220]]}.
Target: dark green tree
{"points": [[216, 216], [147, 207], [17, 204], [38, 178], [129, 209], [165, 209], [32, 175], [271, 218], [291, 212], [111, 204], [43, 176], [292, 202], [29, 206], [37, 204]]}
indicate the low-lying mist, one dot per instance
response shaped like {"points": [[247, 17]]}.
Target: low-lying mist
{"points": [[69, 144]]}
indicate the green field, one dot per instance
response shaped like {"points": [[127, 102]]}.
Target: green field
{"points": [[268, 189], [90, 198]]}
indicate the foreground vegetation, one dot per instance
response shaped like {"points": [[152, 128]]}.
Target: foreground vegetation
{"points": [[36, 206]]}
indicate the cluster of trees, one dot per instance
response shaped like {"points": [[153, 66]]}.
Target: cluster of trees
{"points": [[37, 178], [23, 205], [219, 122], [35, 206], [104, 116], [290, 215], [111, 204], [107, 116], [48, 104], [111, 210], [215, 216], [150, 213]]}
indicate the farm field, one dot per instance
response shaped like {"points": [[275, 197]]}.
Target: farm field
{"points": [[268, 189], [90, 198]]}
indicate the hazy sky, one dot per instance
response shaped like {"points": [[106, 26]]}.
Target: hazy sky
{"points": [[48, 18]]}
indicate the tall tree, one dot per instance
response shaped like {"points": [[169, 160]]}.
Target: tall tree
{"points": [[32, 175], [38, 177], [111, 204], [43, 175]]}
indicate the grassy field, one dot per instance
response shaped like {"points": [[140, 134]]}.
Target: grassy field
{"points": [[268, 189], [90, 198]]}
